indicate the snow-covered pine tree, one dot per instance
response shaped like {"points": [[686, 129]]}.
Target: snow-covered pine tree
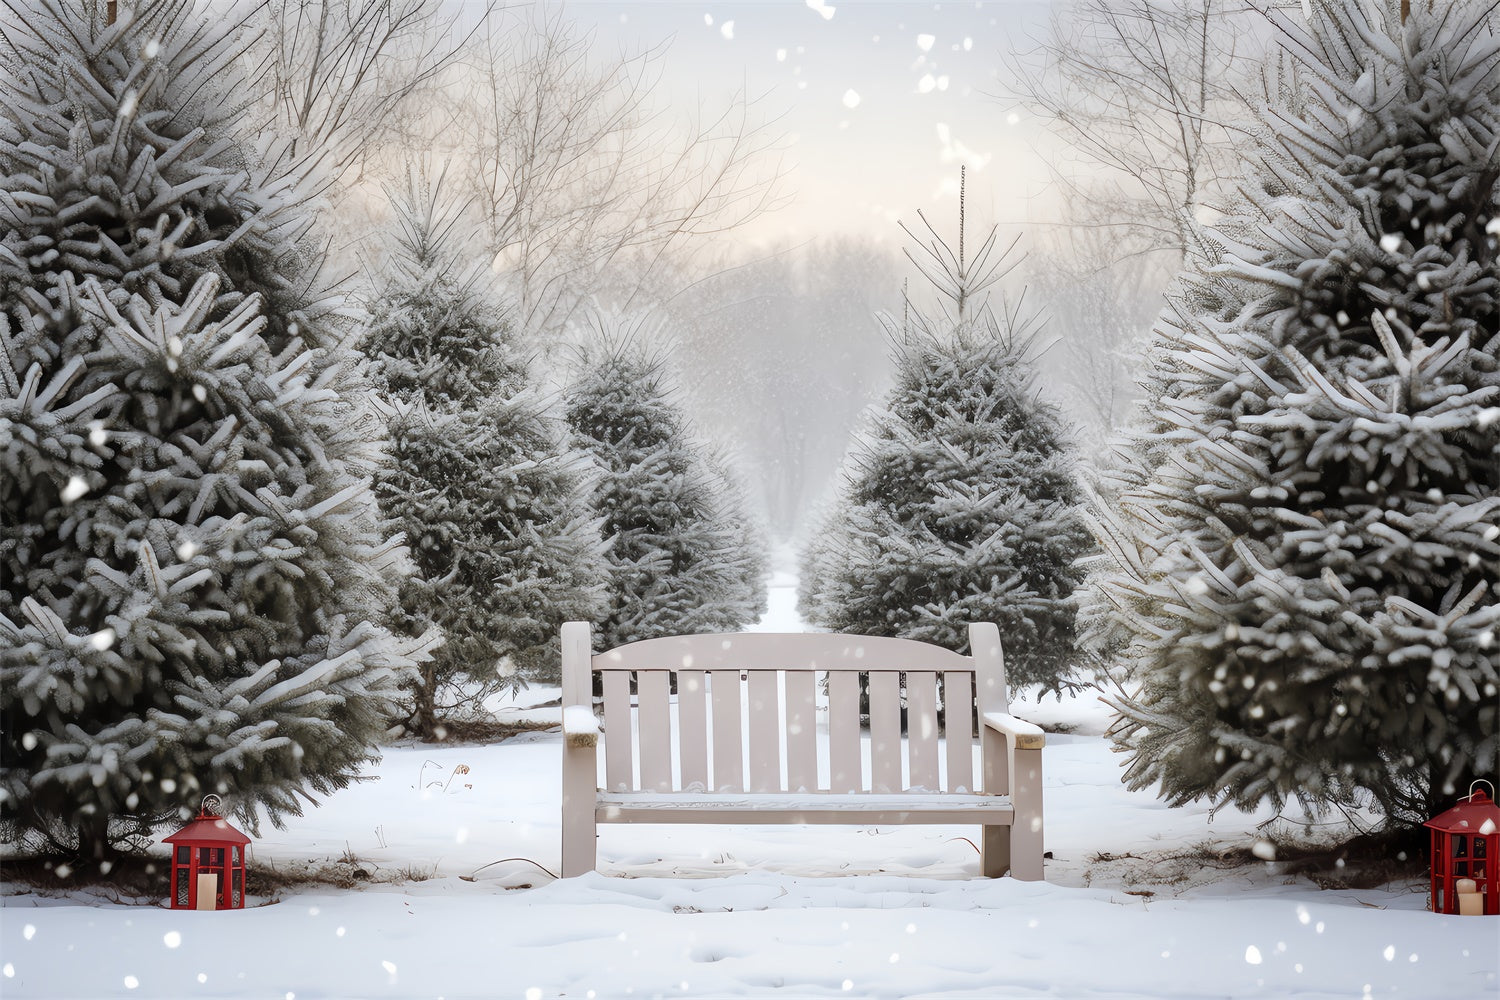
{"points": [[190, 571], [677, 555], [960, 502], [1301, 565], [750, 554], [493, 506]]}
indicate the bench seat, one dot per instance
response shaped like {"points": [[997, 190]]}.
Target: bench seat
{"points": [[824, 808]]}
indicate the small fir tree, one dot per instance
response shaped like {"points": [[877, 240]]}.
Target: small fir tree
{"points": [[749, 555], [959, 505], [492, 505], [681, 555], [1302, 556], [190, 572]]}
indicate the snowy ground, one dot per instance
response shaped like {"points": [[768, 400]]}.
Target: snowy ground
{"points": [[784, 911]]}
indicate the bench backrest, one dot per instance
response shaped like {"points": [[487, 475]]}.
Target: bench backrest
{"points": [[745, 714]]}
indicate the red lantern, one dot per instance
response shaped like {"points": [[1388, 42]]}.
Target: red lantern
{"points": [[208, 862], [1465, 849]]}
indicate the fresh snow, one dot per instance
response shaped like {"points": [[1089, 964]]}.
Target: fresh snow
{"points": [[707, 911]]}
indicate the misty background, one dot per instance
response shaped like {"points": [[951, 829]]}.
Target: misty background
{"points": [[730, 181]]}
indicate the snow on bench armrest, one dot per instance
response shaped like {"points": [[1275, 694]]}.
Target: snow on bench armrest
{"points": [[580, 727], [1023, 734]]}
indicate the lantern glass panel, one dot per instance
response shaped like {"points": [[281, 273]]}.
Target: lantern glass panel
{"points": [[238, 890], [1461, 868], [234, 854], [180, 890], [184, 854], [1479, 847], [1460, 845]]}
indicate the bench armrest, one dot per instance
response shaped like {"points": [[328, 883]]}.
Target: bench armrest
{"points": [[1023, 735], [580, 726]]}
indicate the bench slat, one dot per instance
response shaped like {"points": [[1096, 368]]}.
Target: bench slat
{"points": [[885, 731], [655, 729], [692, 725], [801, 731], [729, 772], [618, 753], [843, 733], [922, 730], [958, 729], [765, 732], [780, 651]]}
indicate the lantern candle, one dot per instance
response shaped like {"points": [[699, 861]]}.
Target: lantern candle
{"points": [[1470, 902], [208, 888]]}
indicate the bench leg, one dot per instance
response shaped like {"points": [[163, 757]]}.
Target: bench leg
{"points": [[994, 851], [580, 830], [1026, 834]]}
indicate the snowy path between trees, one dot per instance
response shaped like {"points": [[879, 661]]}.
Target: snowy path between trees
{"points": [[729, 912]]}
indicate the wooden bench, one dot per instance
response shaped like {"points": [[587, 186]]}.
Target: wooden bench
{"points": [[747, 746]]}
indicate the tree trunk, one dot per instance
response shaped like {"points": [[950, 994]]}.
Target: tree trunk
{"points": [[424, 710], [93, 839]]}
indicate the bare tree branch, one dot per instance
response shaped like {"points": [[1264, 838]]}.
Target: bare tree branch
{"points": [[344, 80], [1147, 93], [576, 173]]}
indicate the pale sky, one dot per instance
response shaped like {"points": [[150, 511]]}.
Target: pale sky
{"points": [[880, 100]]}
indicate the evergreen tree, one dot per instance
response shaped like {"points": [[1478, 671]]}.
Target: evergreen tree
{"points": [[492, 505], [681, 556], [749, 554], [1302, 554], [959, 504], [190, 570]]}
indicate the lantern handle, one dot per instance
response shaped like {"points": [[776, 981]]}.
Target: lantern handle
{"points": [[1482, 781], [211, 804]]}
